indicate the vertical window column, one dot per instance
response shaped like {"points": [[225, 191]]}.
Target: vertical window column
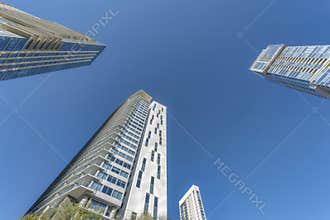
{"points": [[158, 172], [146, 203], [143, 167], [152, 184], [155, 214], [138, 182]]}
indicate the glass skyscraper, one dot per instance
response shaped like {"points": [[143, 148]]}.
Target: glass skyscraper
{"points": [[122, 170], [30, 45], [191, 205], [304, 68]]}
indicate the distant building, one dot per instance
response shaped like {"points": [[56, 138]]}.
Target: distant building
{"points": [[304, 68], [30, 45], [191, 205], [123, 167]]}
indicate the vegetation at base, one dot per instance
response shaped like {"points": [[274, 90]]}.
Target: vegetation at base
{"points": [[68, 211], [29, 217], [146, 216], [71, 211]]}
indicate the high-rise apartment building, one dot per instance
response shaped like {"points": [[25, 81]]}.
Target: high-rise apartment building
{"points": [[122, 169], [30, 45], [191, 205], [304, 68]]}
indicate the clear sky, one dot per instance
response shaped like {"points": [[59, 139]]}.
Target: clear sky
{"points": [[193, 56]]}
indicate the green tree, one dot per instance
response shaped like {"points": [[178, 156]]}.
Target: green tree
{"points": [[66, 211], [29, 217], [70, 211], [146, 216]]}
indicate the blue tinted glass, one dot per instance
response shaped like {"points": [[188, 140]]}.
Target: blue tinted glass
{"points": [[3, 42]]}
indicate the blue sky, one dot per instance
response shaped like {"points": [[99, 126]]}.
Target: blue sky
{"points": [[192, 56]]}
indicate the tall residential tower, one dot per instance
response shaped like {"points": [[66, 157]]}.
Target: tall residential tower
{"points": [[191, 205], [122, 169], [304, 68], [30, 45]]}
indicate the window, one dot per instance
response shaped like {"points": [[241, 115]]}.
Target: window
{"points": [[155, 207], [115, 170], [160, 137], [125, 149], [146, 203], [152, 156], [107, 166], [96, 186], [102, 175], [156, 146], [119, 162], [3, 43], [158, 159], [127, 166], [152, 118], [152, 184], [112, 179], [11, 45], [158, 172], [121, 183], [138, 182], [116, 194], [144, 164], [107, 190], [111, 158], [115, 151], [97, 206], [124, 174]]}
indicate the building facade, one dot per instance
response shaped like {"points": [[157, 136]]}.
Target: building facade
{"points": [[304, 68], [122, 169], [30, 45], [191, 205]]}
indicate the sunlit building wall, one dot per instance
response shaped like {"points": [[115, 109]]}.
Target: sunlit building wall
{"points": [[30, 45], [191, 205], [304, 68], [122, 170]]}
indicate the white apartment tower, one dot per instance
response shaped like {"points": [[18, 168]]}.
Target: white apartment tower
{"points": [[121, 171], [191, 205]]}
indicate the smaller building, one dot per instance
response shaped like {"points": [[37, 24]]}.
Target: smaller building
{"points": [[191, 205]]}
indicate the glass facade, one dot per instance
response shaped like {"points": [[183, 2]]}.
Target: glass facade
{"points": [[30, 45], [304, 68], [17, 61]]}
